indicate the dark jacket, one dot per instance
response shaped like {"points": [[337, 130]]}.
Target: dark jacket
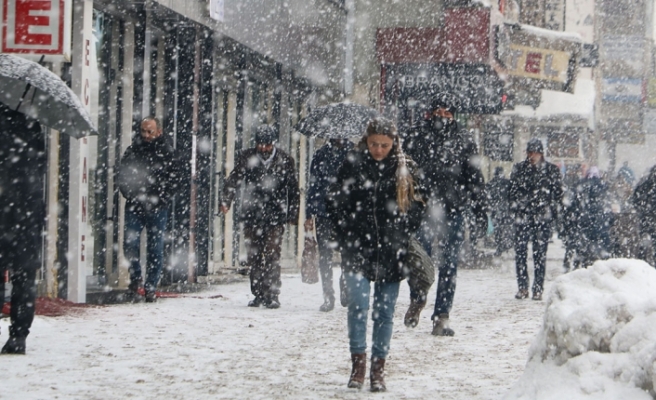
{"points": [[498, 191], [149, 173], [592, 207], [372, 232], [643, 200], [271, 195], [23, 161], [325, 163], [447, 160], [536, 193]]}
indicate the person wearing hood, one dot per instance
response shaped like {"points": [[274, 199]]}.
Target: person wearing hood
{"points": [[375, 206], [325, 163], [449, 166], [149, 173], [270, 200], [536, 194], [23, 165]]}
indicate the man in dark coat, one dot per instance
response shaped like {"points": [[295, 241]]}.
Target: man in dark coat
{"points": [[498, 190], [448, 160], [536, 194], [148, 176], [23, 161], [643, 200], [270, 200], [325, 163]]}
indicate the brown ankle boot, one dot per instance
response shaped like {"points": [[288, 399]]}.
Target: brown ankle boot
{"points": [[359, 369], [377, 374], [414, 311]]}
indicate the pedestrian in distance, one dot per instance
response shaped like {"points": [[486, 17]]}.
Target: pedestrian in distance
{"points": [[323, 171], [498, 190], [536, 195], [270, 200], [376, 206], [23, 161], [449, 167], [149, 175]]}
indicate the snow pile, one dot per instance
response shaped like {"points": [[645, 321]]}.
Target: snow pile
{"points": [[598, 339]]}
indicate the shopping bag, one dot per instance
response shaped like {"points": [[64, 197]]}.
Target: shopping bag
{"points": [[310, 260], [419, 268]]}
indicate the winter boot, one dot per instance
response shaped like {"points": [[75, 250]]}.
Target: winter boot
{"points": [[256, 302], [522, 294], [135, 291], [537, 296], [14, 345], [151, 296], [412, 315], [358, 370], [328, 304], [377, 374], [441, 326], [272, 303]]}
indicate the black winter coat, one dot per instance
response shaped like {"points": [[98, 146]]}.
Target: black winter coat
{"points": [[644, 201], [372, 232], [23, 161], [325, 164], [536, 193], [447, 166], [149, 173], [271, 195]]}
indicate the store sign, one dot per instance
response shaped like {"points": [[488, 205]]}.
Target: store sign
{"points": [[629, 51], [531, 62], [537, 57], [554, 15], [478, 86], [622, 90], [40, 27]]}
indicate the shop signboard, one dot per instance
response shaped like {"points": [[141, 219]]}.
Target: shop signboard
{"points": [[537, 57], [478, 86], [622, 90], [38, 27], [217, 10]]}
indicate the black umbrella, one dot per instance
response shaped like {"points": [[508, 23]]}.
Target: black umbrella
{"points": [[35, 91], [337, 121]]}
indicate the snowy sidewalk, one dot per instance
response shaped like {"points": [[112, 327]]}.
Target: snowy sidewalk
{"points": [[202, 348]]}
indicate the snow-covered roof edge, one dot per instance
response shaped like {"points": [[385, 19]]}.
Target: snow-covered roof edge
{"points": [[569, 36]]}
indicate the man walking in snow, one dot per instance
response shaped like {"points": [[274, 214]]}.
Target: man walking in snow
{"points": [[148, 176], [270, 200], [536, 194], [323, 172], [448, 160]]}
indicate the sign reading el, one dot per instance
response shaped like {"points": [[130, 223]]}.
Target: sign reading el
{"points": [[35, 27], [530, 62]]}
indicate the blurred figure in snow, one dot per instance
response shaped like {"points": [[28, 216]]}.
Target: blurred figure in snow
{"points": [[270, 200], [644, 202], [497, 191], [536, 194], [375, 206], [23, 161], [148, 176], [325, 163], [449, 167], [592, 209]]}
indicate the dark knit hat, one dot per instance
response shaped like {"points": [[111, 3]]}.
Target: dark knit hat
{"points": [[535, 146], [445, 100], [266, 134]]}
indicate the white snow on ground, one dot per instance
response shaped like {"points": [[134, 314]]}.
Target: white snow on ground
{"points": [[202, 348], [597, 340]]}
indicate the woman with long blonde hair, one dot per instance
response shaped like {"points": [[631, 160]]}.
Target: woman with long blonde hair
{"points": [[376, 206]]}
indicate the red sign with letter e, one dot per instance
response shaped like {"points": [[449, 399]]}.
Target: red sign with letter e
{"points": [[33, 26]]}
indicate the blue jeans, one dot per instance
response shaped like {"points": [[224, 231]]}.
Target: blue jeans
{"points": [[155, 223], [448, 228], [385, 295]]}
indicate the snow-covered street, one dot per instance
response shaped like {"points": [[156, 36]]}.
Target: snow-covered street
{"points": [[204, 347]]}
